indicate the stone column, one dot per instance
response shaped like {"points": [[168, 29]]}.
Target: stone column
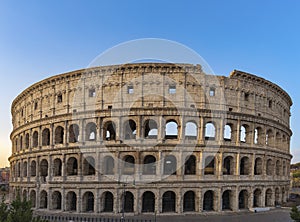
{"points": [[201, 130]]}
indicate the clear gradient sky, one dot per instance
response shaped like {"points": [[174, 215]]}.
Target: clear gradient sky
{"points": [[41, 38]]}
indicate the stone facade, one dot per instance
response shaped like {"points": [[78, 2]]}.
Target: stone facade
{"points": [[151, 138]]}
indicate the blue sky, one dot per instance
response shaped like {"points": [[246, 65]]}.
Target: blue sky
{"points": [[42, 38]]}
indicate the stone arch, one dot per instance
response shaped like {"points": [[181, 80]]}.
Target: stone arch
{"points": [[73, 133], [32, 198], [21, 142], [59, 135], [150, 129], [191, 130], [149, 166], [210, 131], [278, 168], [228, 132], [190, 165], [35, 139], [88, 166], [277, 196], [44, 168], [128, 202], [71, 201], [25, 169], [18, 169], [208, 201], [27, 140], [209, 167], [268, 198], [91, 132], [148, 204], [43, 199], [24, 195], [227, 200], [244, 133], [189, 201], [278, 140], [258, 167], [245, 168], [258, 136], [108, 201], [169, 202], [284, 168], [257, 198], [109, 131], [46, 137], [56, 200], [88, 202], [130, 129], [129, 165], [109, 165], [269, 167], [170, 165], [243, 199], [72, 166], [270, 138], [33, 168], [228, 166], [57, 167], [171, 129]]}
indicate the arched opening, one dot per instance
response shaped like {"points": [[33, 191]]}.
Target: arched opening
{"points": [[171, 130], [191, 130], [109, 165], [129, 163], [43, 200], [269, 168], [88, 202], [169, 202], [245, 166], [73, 133], [210, 131], [151, 129], [226, 200], [278, 140], [277, 197], [90, 132], [21, 142], [71, 204], [18, 169], [46, 137], [56, 200], [243, 199], [44, 169], [88, 166], [283, 195], [35, 139], [257, 198], [208, 201], [269, 138], [258, 166], [32, 198], [258, 136], [244, 133], [72, 166], [27, 140], [109, 131], [268, 200], [57, 167], [108, 204], [209, 167], [25, 195], [25, 169], [227, 132], [148, 204], [278, 167], [190, 165], [149, 167], [170, 165], [284, 168], [128, 202], [59, 135], [228, 166], [189, 201], [33, 168], [129, 129]]}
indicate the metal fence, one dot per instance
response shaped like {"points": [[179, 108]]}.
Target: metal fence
{"points": [[52, 218]]}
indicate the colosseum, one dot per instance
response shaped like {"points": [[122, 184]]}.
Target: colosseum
{"points": [[151, 138]]}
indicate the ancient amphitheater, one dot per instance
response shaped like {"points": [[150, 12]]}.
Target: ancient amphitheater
{"points": [[151, 138]]}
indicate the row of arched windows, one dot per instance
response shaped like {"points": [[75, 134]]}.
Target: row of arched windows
{"points": [[148, 200], [150, 131], [149, 166]]}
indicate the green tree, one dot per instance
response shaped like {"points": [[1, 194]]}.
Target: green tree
{"points": [[3, 210], [295, 214]]}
